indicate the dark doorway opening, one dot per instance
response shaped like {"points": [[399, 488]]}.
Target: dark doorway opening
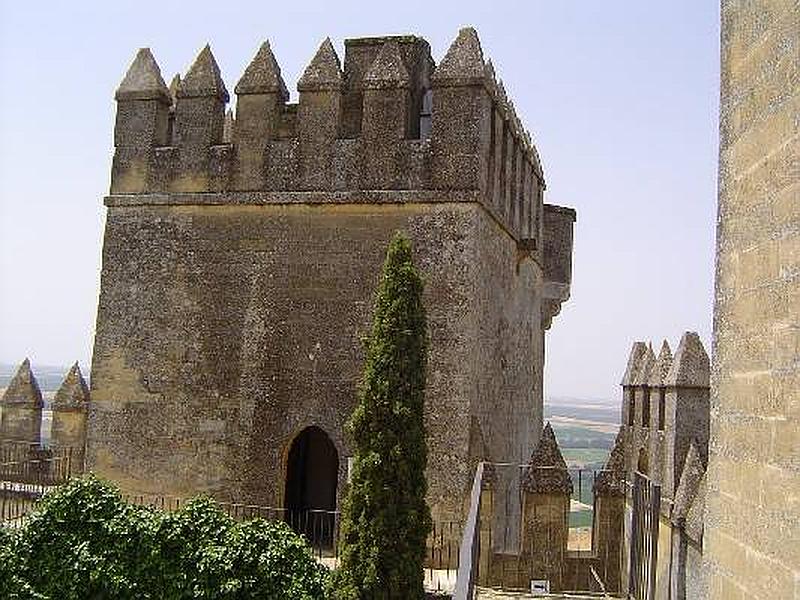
{"points": [[312, 475], [643, 464]]}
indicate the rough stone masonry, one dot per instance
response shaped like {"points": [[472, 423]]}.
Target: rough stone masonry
{"points": [[241, 254]]}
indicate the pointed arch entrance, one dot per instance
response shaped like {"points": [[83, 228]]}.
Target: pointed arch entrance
{"points": [[312, 476]]}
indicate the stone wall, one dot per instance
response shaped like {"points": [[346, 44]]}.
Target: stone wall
{"points": [[664, 434], [239, 268], [753, 517], [224, 330]]}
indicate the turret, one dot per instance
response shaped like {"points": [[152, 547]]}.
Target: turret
{"points": [[556, 257], [687, 522], [547, 487], [461, 117], [199, 122], [70, 407], [687, 407], [261, 96], [609, 516], [22, 404], [385, 118], [143, 103], [318, 118]]}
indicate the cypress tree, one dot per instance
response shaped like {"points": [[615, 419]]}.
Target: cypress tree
{"points": [[385, 520]]}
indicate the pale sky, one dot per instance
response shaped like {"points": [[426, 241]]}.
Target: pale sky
{"points": [[621, 98]]}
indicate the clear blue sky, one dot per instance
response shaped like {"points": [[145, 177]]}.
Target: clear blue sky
{"points": [[620, 96]]}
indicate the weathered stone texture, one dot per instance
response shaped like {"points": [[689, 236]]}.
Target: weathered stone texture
{"points": [[546, 471], [70, 409], [227, 329], [671, 453], [239, 267], [753, 518], [21, 416]]}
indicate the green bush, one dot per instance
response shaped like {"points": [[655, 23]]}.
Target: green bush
{"points": [[85, 542], [385, 520]]}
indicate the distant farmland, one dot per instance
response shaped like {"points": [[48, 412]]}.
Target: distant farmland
{"points": [[585, 429]]}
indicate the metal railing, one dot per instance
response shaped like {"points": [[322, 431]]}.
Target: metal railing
{"points": [[18, 499], [644, 537], [469, 552], [581, 510], [515, 537], [321, 529], [27, 471], [22, 462]]}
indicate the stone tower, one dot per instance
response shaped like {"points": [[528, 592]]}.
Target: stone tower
{"points": [[238, 273]]}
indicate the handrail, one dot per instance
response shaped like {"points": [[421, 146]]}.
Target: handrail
{"points": [[469, 551]]}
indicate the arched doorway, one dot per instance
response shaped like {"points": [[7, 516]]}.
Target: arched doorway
{"points": [[312, 475]]}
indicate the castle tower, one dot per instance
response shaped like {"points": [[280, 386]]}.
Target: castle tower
{"points": [[238, 273], [70, 407], [21, 405]]}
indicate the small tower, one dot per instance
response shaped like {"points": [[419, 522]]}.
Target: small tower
{"points": [[261, 96], [318, 117], [547, 487], [642, 418], [22, 408], [687, 525], [387, 103], [199, 122], [635, 357], [687, 408], [143, 114], [461, 123], [70, 407], [609, 514]]}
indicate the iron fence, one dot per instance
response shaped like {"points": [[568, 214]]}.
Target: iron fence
{"points": [[644, 537], [22, 462], [321, 529], [523, 537], [18, 499], [581, 509]]}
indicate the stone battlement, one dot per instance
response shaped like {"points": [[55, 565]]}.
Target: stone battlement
{"points": [[389, 121]]}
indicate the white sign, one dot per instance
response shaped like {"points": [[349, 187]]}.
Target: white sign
{"points": [[540, 587]]}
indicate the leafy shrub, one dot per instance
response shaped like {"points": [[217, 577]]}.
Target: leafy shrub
{"points": [[86, 542]]}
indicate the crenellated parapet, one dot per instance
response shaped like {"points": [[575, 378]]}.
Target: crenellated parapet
{"points": [[389, 122], [665, 409]]}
